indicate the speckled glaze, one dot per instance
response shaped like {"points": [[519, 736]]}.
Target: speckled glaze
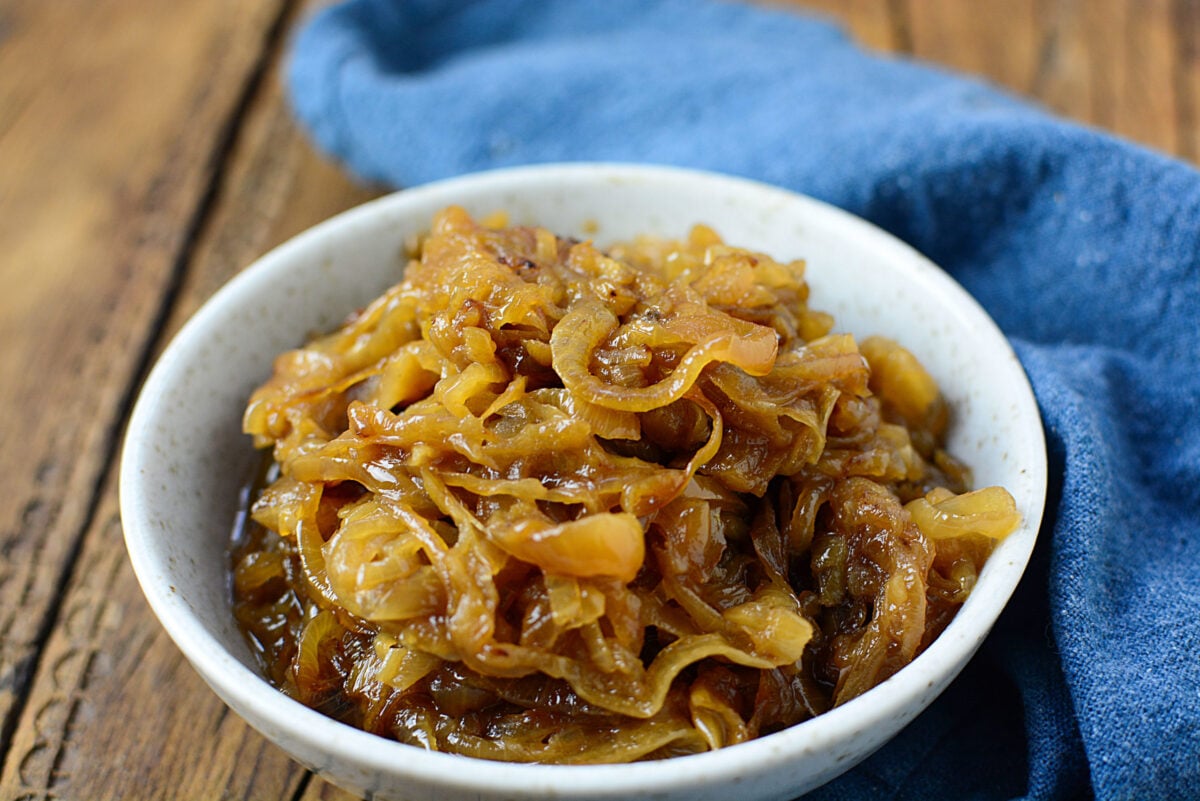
{"points": [[185, 458]]}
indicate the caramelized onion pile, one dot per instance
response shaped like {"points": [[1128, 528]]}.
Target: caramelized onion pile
{"points": [[544, 503]]}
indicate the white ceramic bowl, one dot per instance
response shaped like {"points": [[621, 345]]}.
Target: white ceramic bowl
{"points": [[185, 457]]}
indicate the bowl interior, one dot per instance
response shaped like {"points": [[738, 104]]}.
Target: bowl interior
{"points": [[185, 458]]}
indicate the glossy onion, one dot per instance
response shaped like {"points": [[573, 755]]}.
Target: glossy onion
{"points": [[541, 502]]}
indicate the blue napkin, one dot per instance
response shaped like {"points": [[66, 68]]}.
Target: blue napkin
{"points": [[1085, 249]]}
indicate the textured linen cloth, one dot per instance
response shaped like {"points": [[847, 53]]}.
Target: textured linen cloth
{"points": [[1084, 248]]}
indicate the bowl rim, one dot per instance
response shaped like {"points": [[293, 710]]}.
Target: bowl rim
{"points": [[243, 688]]}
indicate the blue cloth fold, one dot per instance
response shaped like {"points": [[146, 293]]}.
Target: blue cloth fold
{"points": [[1084, 248]]}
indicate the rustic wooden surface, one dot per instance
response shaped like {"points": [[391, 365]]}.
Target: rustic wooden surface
{"points": [[146, 155]]}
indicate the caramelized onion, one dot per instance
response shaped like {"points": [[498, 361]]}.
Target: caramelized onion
{"points": [[545, 503]]}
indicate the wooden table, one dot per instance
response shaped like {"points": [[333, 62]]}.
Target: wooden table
{"points": [[146, 155]]}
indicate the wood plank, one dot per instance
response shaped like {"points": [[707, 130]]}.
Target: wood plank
{"points": [[965, 36], [98, 191], [1186, 25], [873, 23], [320, 790], [1147, 103], [1124, 73], [109, 654], [117, 713], [111, 116], [1132, 68], [1108, 63]]}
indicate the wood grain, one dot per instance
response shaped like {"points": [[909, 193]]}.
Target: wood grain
{"points": [[146, 155], [1185, 24], [962, 36], [873, 23], [108, 663], [1129, 67], [1117, 63], [111, 115], [116, 709]]}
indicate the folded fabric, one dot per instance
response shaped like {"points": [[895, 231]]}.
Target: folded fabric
{"points": [[1084, 248]]}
